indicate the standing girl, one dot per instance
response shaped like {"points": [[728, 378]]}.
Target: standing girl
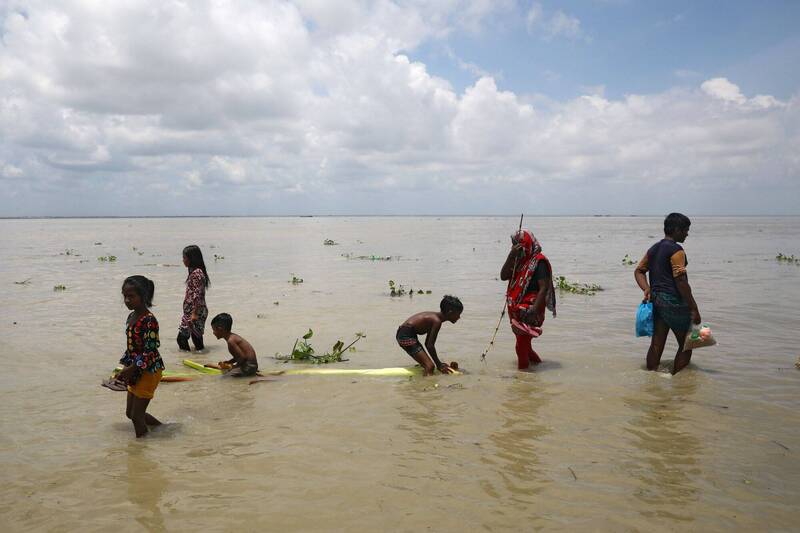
{"points": [[142, 362], [530, 291], [195, 312]]}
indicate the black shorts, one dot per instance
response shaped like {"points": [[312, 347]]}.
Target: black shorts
{"points": [[407, 339], [249, 368]]}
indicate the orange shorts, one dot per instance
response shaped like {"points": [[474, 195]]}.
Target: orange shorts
{"points": [[145, 388]]}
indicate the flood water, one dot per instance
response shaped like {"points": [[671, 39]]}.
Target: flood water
{"points": [[588, 441]]}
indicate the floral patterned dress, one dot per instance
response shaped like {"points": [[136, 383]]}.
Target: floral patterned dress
{"points": [[143, 344], [195, 299]]}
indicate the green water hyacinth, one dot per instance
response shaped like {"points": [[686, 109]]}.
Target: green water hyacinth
{"points": [[589, 289], [303, 352], [782, 258]]}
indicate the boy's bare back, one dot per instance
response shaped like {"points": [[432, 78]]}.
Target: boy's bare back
{"points": [[424, 322], [239, 348]]}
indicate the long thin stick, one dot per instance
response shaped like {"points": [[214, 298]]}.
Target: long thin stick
{"points": [[505, 300]]}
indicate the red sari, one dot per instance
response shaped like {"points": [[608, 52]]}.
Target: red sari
{"points": [[518, 298]]}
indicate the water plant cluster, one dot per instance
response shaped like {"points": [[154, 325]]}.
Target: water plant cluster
{"points": [[59, 288], [302, 351], [396, 289], [589, 289], [107, 258], [368, 257], [330, 242], [70, 251], [628, 261], [295, 280], [218, 257], [783, 258]]}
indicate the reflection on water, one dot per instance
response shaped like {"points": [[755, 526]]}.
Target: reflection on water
{"points": [[516, 460], [424, 413], [669, 453], [146, 486]]}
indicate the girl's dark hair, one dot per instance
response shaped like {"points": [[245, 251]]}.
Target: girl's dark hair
{"points": [[195, 257], [144, 287], [675, 222]]}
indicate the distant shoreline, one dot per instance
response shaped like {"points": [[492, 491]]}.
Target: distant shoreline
{"points": [[96, 217]]}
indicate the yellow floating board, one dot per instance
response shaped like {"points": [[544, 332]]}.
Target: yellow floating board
{"points": [[379, 372]]}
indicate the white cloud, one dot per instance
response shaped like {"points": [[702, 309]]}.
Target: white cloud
{"points": [[277, 100], [549, 26], [724, 90]]}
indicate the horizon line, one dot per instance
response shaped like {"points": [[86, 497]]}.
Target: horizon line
{"points": [[494, 215]]}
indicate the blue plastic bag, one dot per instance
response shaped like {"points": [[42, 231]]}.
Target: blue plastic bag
{"points": [[644, 320]]}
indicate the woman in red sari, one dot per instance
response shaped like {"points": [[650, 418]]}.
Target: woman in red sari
{"points": [[530, 291]]}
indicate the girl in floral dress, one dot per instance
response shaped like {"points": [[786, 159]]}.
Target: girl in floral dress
{"points": [[141, 360], [195, 312]]}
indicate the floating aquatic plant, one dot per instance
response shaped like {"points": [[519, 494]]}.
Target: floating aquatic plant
{"points": [[70, 251], [295, 280], [218, 257], [23, 282], [107, 258], [303, 351], [368, 257], [627, 261], [59, 288], [589, 289], [400, 290], [330, 242], [787, 259]]}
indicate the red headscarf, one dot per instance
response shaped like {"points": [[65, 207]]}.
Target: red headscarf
{"points": [[526, 266]]}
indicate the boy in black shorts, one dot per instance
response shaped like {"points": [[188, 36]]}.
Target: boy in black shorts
{"points": [[428, 323], [243, 362]]}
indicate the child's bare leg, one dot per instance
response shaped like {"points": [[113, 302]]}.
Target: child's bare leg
{"points": [[425, 361], [660, 332], [682, 359], [138, 417], [129, 405]]}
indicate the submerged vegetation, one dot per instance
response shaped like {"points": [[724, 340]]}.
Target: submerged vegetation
{"points": [[782, 258], [589, 289], [302, 351], [400, 290], [70, 251]]}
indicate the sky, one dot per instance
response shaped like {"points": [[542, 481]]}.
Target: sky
{"points": [[399, 107]]}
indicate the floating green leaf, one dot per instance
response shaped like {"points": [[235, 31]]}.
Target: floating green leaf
{"points": [[577, 288], [302, 351]]}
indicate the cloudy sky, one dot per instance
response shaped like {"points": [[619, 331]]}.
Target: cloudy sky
{"points": [[399, 107]]}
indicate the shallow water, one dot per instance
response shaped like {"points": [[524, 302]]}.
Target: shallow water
{"points": [[589, 441]]}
